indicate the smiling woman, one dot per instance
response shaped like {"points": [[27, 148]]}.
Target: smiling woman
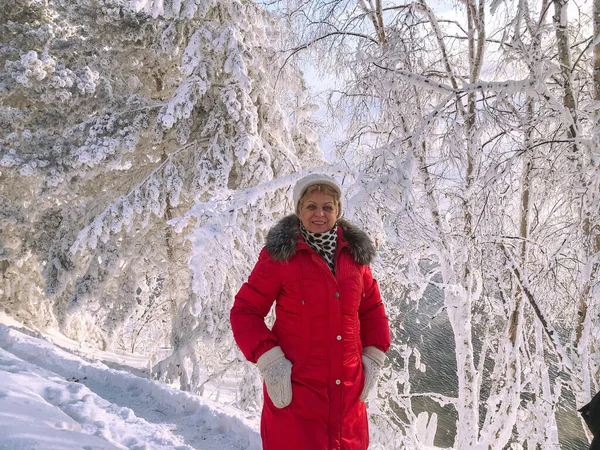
{"points": [[319, 209], [324, 353]]}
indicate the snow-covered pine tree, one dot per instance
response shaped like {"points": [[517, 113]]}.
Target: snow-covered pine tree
{"points": [[117, 118]]}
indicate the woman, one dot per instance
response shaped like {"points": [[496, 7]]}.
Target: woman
{"points": [[327, 345]]}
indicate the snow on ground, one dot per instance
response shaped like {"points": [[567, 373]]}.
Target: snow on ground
{"points": [[51, 399]]}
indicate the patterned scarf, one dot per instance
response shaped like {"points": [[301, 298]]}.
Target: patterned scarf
{"points": [[322, 243]]}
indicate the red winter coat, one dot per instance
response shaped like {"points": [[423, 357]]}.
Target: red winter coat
{"points": [[322, 324]]}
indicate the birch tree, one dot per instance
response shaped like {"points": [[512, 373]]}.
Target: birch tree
{"points": [[468, 129]]}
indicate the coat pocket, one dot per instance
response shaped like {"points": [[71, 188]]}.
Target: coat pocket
{"points": [[290, 328]]}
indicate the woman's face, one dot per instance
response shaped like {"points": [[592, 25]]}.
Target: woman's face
{"points": [[318, 212]]}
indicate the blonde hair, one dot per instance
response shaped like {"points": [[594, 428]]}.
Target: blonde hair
{"points": [[325, 189]]}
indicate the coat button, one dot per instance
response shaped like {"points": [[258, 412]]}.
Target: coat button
{"points": [[339, 338], [338, 382], [336, 295]]}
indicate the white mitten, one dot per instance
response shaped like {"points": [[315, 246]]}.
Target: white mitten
{"points": [[373, 360], [276, 370]]}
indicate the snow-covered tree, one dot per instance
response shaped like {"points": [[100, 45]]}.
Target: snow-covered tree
{"points": [[133, 136], [147, 146], [474, 129]]}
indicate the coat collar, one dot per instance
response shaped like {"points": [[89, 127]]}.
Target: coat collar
{"points": [[282, 240]]}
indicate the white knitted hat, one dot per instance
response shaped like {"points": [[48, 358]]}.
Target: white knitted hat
{"points": [[310, 180]]}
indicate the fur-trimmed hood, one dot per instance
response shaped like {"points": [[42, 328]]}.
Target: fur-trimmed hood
{"points": [[282, 240]]}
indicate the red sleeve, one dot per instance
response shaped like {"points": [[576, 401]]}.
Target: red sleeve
{"points": [[252, 303], [374, 326]]}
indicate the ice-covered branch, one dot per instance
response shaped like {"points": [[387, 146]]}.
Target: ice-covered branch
{"points": [[122, 210], [549, 330]]}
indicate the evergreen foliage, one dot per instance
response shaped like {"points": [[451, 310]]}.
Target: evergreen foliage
{"points": [[118, 120]]}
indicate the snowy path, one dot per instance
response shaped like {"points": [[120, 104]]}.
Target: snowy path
{"points": [[51, 399]]}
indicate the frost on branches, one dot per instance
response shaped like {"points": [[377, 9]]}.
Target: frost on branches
{"points": [[474, 128], [147, 146], [133, 137]]}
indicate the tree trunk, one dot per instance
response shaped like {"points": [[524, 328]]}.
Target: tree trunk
{"points": [[564, 59], [597, 50]]}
